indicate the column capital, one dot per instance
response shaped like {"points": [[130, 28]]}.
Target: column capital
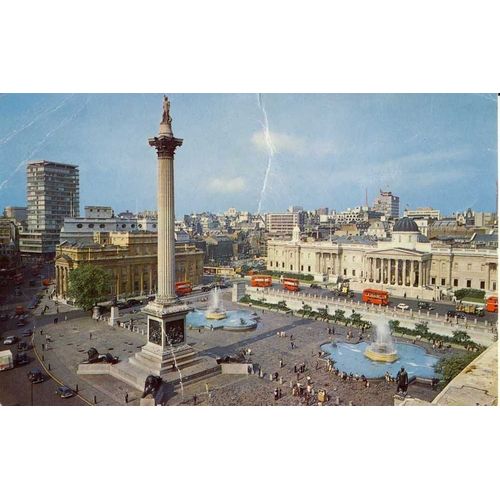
{"points": [[165, 146]]}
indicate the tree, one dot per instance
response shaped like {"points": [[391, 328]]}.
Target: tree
{"points": [[306, 309], [339, 315], [89, 285], [449, 368], [282, 304], [393, 325]]}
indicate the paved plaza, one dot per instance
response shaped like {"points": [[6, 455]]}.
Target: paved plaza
{"points": [[69, 340]]}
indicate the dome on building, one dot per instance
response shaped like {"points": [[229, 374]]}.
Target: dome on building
{"points": [[405, 225]]}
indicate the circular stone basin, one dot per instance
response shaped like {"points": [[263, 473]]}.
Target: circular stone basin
{"points": [[215, 315], [380, 353], [351, 358], [234, 320]]}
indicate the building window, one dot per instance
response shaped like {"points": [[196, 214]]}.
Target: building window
{"points": [[481, 285], [469, 282], [124, 225], [291, 267], [443, 281], [469, 267], [91, 225], [302, 267], [433, 281], [354, 272], [309, 268], [133, 225], [493, 285], [455, 282], [345, 272], [79, 226], [283, 265], [102, 226]]}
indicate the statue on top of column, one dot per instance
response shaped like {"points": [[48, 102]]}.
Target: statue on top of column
{"points": [[167, 119]]}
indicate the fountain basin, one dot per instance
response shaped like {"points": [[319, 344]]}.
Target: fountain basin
{"points": [[351, 358], [381, 354], [237, 321], [215, 315]]}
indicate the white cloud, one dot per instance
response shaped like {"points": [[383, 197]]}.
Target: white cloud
{"points": [[225, 185], [288, 143]]}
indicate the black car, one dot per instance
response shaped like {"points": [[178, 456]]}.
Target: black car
{"points": [[314, 285], [35, 376], [22, 346], [64, 392], [21, 358], [425, 305], [133, 302]]}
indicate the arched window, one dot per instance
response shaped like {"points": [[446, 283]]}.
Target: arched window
{"points": [[79, 226]]}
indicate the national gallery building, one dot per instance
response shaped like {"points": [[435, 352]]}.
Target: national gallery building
{"points": [[131, 259], [407, 264]]}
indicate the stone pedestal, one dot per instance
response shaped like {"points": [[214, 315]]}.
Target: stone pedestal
{"points": [[113, 317]]}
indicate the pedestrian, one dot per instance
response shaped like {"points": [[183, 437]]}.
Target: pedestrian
{"points": [[65, 317], [292, 345], [294, 368], [90, 335], [43, 347], [276, 393], [279, 392], [126, 398], [194, 399], [281, 363]]}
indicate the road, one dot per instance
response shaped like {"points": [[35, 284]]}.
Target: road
{"points": [[15, 388], [439, 307]]}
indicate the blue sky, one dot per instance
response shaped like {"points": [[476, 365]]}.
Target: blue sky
{"points": [[435, 150]]}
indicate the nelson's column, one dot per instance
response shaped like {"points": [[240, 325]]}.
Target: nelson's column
{"points": [[166, 350]]}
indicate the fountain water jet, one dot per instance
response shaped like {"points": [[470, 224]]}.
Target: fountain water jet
{"points": [[382, 348], [215, 309]]}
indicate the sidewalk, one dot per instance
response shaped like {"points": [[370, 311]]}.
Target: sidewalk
{"points": [[69, 342]]}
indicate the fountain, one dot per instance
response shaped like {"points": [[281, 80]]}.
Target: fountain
{"points": [[215, 309], [382, 349], [216, 317]]}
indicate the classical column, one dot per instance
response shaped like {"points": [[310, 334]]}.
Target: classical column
{"points": [[151, 279], [404, 272], [420, 273], [165, 145], [142, 280]]}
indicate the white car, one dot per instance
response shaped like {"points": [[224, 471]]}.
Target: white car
{"points": [[10, 340], [403, 307]]}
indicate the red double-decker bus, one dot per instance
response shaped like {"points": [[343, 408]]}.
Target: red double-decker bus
{"points": [[492, 304], [183, 288], [261, 280], [291, 284], [372, 296]]}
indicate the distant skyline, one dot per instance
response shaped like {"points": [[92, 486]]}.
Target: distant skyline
{"points": [[319, 150]]}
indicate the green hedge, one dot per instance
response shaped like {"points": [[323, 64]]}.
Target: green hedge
{"points": [[469, 292], [279, 274], [459, 337]]}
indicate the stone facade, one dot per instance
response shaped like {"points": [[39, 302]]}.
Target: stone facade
{"points": [[132, 260], [408, 263]]}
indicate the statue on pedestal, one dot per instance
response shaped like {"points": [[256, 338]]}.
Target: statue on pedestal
{"points": [[402, 380]]}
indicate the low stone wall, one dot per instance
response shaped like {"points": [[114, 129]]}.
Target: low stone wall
{"points": [[236, 368], [94, 369]]}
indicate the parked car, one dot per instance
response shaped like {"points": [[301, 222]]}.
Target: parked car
{"points": [[27, 333], [22, 346], [64, 392], [425, 305], [133, 302], [11, 339], [403, 307], [455, 314], [35, 376], [122, 305], [314, 285], [21, 358]]}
